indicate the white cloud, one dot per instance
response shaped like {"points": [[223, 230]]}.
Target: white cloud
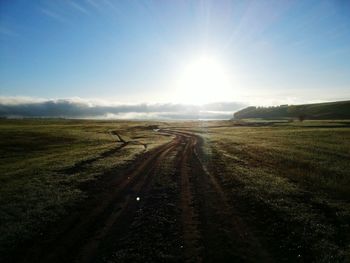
{"points": [[84, 108]]}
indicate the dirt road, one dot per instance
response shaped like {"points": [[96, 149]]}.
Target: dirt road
{"points": [[164, 207]]}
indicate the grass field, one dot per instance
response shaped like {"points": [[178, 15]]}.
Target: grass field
{"points": [[288, 182], [44, 165], [292, 181]]}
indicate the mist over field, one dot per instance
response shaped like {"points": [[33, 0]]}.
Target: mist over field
{"points": [[80, 108]]}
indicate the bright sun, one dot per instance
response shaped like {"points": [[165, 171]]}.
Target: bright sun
{"points": [[204, 80]]}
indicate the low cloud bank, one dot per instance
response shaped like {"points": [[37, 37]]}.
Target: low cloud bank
{"points": [[14, 107]]}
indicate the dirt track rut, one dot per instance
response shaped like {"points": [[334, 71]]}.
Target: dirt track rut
{"points": [[165, 207]]}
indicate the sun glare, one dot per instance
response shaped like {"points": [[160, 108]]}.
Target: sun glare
{"points": [[204, 80]]}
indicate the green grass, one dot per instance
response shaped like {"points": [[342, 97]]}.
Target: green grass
{"points": [[294, 178], [37, 182]]}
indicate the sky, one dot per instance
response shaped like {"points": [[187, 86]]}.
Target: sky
{"points": [[177, 52]]}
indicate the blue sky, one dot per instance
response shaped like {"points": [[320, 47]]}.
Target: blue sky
{"points": [[135, 51]]}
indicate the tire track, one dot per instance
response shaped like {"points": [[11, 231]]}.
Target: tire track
{"points": [[153, 234], [127, 205], [80, 235], [213, 229], [191, 234], [245, 247]]}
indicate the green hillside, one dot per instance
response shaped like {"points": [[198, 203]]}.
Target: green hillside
{"points": [[317, 111]]}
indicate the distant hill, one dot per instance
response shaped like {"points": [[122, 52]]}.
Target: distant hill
{"points": [[316, 111]]}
